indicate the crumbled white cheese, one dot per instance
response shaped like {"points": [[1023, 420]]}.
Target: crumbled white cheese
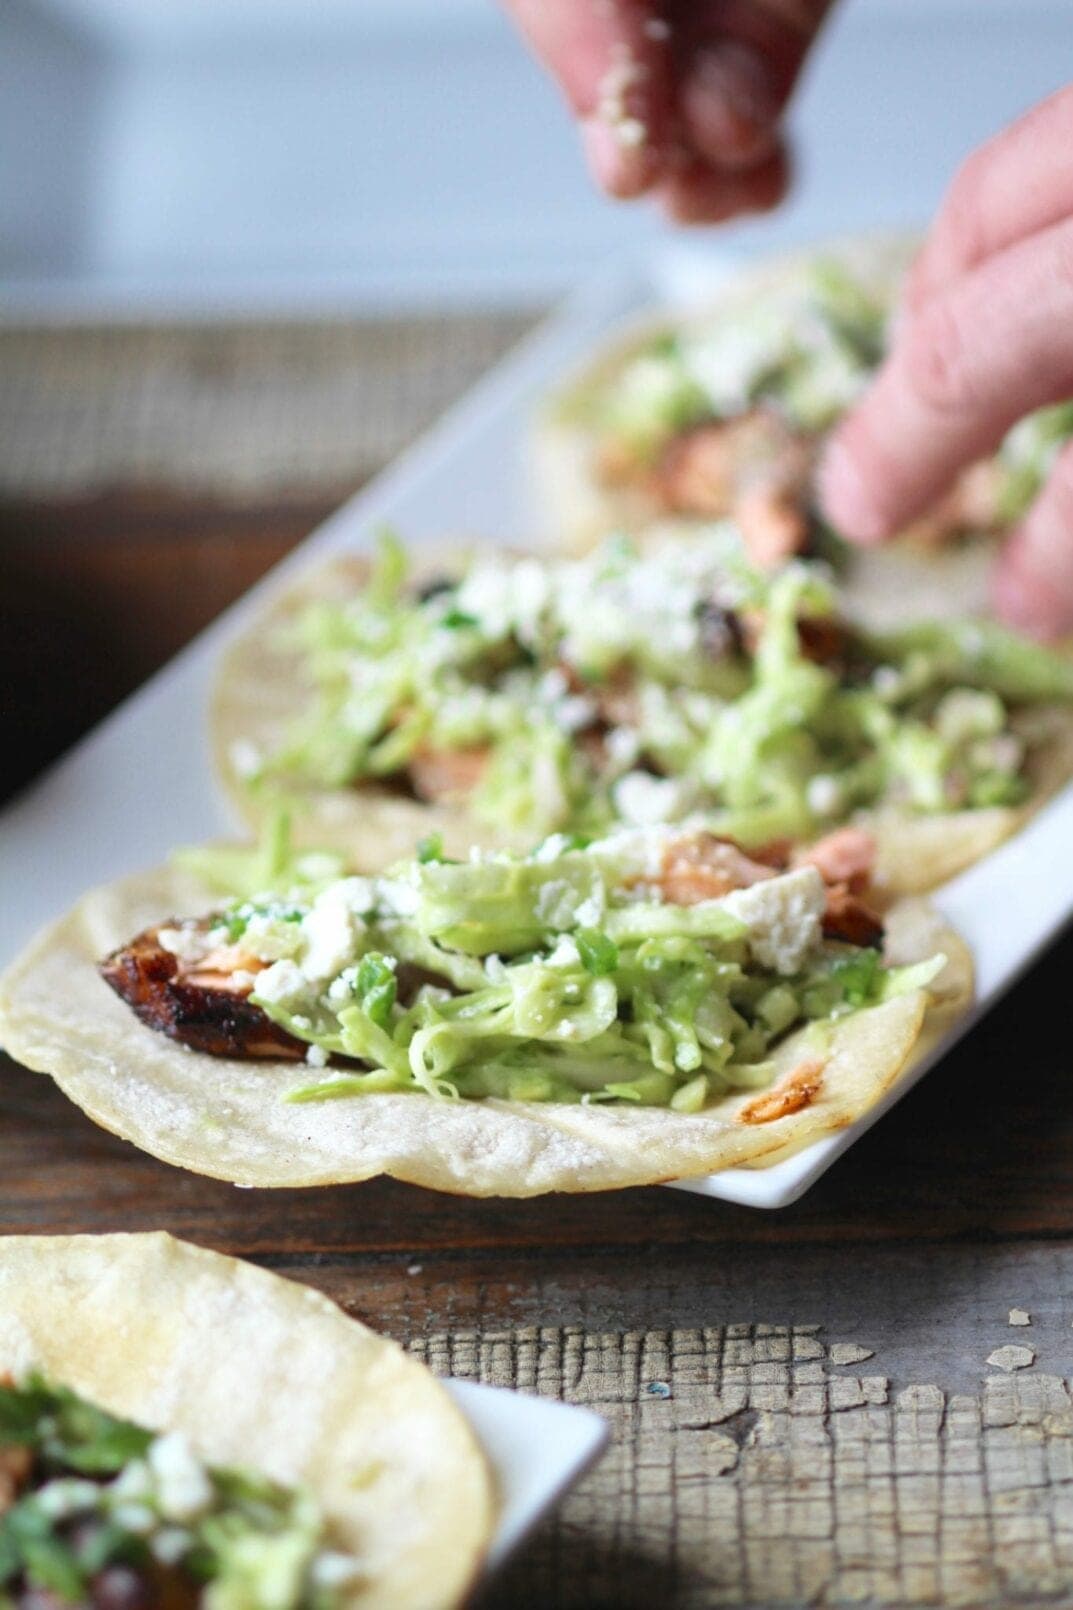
{"points": [[887, 681], [341, 988], [574, 714], [825, 795], [555, 845], [317, 1056], [396, 897], [565, 953], [624, 74], [556, 904], [136, 1518], [189, 944], [623, 745], [966, 713], [553, 685], [505, 593], [133, 1481], [246, 758], [169, 1544], [333, 1570], [590, 912], [332, 924], [66, 1496], [639, 852], [783, 916], [183, 1488], [729, 357], [641, 799], [283, 981]]}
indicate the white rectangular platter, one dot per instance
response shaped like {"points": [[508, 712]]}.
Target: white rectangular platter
{"points": [[141, 782], [536, 1449]]}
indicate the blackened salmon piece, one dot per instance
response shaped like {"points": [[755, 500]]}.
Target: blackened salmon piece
{"points": [[215, 1018], [772, 523], [700, 866], [775, 853], [446, 774], [848, 918], [706, 469], [846, 856], [825, 640]]}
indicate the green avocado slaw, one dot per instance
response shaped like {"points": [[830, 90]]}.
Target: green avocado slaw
{"points": [[564, 975], [805, 348], [651, 684], [99, 1508]]}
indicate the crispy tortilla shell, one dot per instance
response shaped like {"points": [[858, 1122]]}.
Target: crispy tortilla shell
{"points": [[917, 853], [262, 1372], [228, 1118]]}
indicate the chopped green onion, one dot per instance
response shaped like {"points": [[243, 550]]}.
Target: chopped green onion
{"points": [[599, 954]]}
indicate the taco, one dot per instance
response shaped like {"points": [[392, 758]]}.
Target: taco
{"points": [[722, 412], [644, 1007], [178, 1428], [503, 699]]}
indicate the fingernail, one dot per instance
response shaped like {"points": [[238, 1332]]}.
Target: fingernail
{"points": [[731, 105], [847, 497]]}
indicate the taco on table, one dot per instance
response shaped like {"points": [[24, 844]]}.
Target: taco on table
{"points": [[497, 699], [722, 411], [180, 1429], [650, 1005]]}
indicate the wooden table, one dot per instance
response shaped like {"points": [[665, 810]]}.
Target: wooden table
{"points": [[802, 1406]]}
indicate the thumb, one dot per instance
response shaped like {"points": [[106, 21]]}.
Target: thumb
{"points": [[1033, 581]]}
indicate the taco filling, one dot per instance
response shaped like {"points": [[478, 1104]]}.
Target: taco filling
{"points": [[727, 417], [659, 967], [641, 686], [97, 1511]]}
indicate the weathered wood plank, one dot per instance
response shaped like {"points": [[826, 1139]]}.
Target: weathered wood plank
{"points": [[748, 1469], [851, 1445]]}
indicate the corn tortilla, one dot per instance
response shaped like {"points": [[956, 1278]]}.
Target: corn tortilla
{"points": [[262, 1372], [229, 1119]]}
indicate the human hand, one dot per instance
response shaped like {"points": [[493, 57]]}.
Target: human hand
{"points": [[680, 98], [987, 336]]}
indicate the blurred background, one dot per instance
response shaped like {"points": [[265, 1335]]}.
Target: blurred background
{"points": [[249, 248]]}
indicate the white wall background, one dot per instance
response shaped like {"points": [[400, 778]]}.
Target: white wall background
{"points": [[292, 152]]}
